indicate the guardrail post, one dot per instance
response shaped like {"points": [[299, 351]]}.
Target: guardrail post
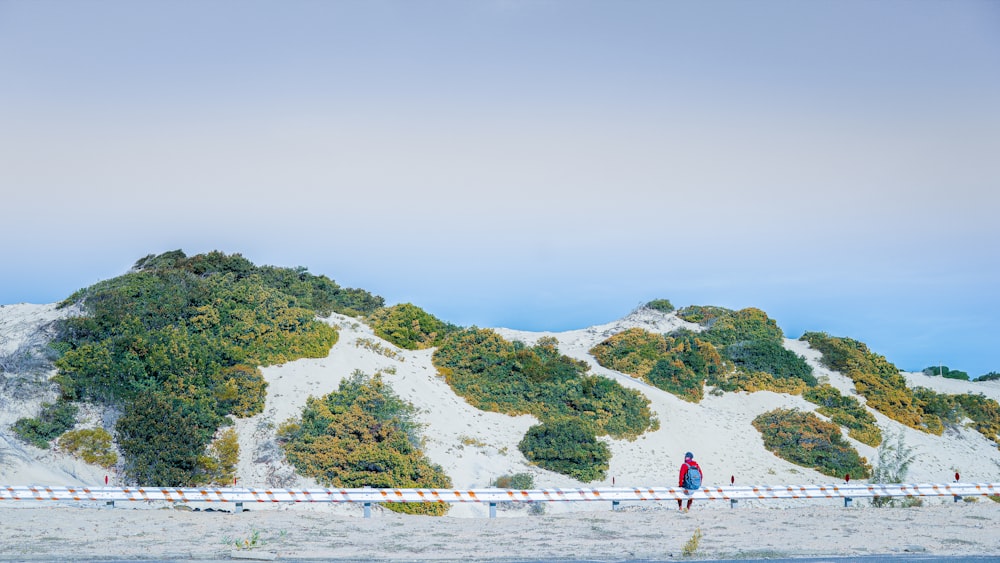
{"points": [[493, 510], [367, 505]]}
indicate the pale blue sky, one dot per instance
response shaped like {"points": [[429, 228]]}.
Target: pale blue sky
{"points": [[539, 165]]}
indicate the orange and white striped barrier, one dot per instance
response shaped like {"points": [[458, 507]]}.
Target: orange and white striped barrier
{"points": [[368, 496]]}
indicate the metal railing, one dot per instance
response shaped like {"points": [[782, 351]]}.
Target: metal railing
{"points": [[493, 496]]}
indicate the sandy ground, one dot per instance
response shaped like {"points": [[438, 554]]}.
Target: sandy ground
{"points": [[634, 532]]}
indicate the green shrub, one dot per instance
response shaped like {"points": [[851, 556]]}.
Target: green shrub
{"points": [[517, 481], [984, 412], [51, 422], [702, 314], [991, 376], [163, 438], [847, 412], [748, 324], [93, 445], [770, 357], [753, 381], [678, 364], [568, 446], [363, 434], [409, 326], [661, 305], [223, 454], [946, 372], [804, 439]]}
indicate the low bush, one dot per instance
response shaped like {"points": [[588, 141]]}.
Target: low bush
{"points": [[409, 326], [661, 305], [804, 439], [517, 481], [567, 446], [946, 372], [702, 314], [847, 412], [92, 445], [51, 422], [361, 435], [770, 357]]}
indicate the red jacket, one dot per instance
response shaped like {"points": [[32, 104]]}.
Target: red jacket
{"points": [[684, 470]]}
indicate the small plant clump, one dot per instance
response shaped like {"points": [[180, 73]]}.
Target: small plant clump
{"points": [[93, 445], [517, 481], [51, 422], [661, 305], [691, 546]]}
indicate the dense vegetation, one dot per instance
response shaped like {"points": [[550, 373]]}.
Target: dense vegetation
{"points": [[92, 445], [946, 372], [568, 446], [661, 305], [176, 345], [361, 435], [804, 439], [887, 392], [51, 422], [746, 325], [737, 351], [877, 380], [513, 378], [847, 412], [677, 364], [409, 326]]}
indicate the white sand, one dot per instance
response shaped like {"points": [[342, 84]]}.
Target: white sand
{"points": [[475, 447]]}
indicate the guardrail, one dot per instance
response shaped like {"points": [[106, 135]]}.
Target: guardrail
{"points": [[369, 496]]}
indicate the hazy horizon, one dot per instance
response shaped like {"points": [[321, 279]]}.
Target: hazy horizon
{"points": [[542, 165]]}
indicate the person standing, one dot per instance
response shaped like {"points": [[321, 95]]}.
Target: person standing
{"points": [[690, 479]]}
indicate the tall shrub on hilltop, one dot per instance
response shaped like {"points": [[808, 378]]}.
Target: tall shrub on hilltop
{"points": [[409, 326], [745, 325], [177, 343], [678, 364], [363, 434], [753, 344]]}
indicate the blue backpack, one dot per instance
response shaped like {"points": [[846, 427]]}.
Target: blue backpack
{"points": [[692, 479]]}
